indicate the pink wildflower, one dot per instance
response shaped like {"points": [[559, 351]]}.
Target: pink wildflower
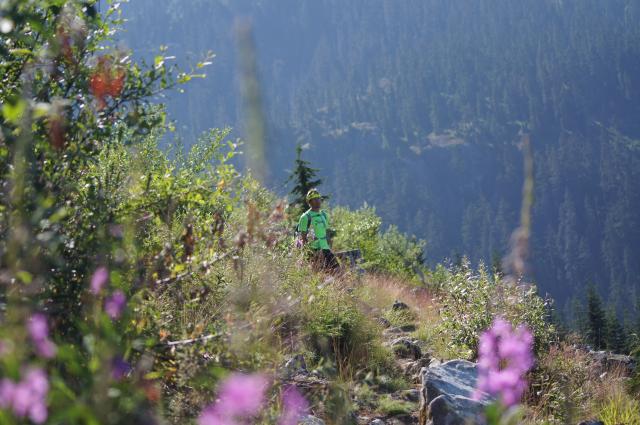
{"points": [[240, 397], [504, 357], [99, 279], [39, 333], [114, 305], [294, 406], [26, 398]]}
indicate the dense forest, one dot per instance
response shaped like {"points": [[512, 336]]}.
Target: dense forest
{"points": [[418, 107]]}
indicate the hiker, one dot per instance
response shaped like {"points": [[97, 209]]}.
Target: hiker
{"points": [[313, 227]]}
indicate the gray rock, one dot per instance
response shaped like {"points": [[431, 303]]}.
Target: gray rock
{"points": [[447, 394], [391, 331], [591, 423], [411, 369], [453, 410], [311, 420], [408, 328], [384, 322], [399, 305], [406, 348], [610, 361], [435, 362], [412, 395], [377, 422], [295, 366]]}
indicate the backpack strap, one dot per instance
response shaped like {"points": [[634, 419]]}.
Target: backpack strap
{"points": [[324, 215], [308, 223]]}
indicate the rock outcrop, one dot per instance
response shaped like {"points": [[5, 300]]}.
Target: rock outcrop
{"points": [[447, 394]]}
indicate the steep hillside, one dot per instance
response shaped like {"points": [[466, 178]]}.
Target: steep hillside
{"points": [[416, 107]]}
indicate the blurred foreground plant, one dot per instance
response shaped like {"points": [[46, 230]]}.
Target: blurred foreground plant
{"points": [[505, 356]]}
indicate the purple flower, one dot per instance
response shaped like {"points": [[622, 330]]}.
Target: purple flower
{"points": [[39, 332], [240, 397], [99, 279], [120, 368], [114, 305], [505, 355], [26, 398], [7, 389], [294, 405]]}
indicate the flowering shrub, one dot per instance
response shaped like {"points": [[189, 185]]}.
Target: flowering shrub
{"points": [[469, 301]]}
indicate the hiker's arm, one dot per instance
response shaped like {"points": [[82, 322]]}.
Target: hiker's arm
{"points": [[302, 228]]}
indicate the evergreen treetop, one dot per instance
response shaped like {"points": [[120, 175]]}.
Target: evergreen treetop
{"points": [[304, 178]]}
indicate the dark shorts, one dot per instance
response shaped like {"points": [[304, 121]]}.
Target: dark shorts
{"points": [[326, 260]]}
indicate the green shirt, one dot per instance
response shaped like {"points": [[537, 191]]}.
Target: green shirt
{"points": [[319, 222]]}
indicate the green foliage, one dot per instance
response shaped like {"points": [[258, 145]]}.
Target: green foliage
{"points": [[336, 329], [620, 408], [470, 300], [387, 252], [561, 384], [85, 185], [392, 407], [596, 323]]}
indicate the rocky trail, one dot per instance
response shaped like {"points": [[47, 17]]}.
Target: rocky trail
{"points": [[435, 392]]}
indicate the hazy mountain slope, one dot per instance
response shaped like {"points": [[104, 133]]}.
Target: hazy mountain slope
{"points": [[416, 106]]}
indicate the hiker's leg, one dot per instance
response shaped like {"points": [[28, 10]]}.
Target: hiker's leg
{"points": [[330, 261], [317, 259]]}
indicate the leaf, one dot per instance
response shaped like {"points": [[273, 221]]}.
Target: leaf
{"points": [[13, 112], [158, 61], [25, 277], [21, 52]]}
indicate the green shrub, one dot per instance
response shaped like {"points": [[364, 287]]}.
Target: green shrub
{"points": [[387, 252], [470, 300], [393, 407], [620, 408]]}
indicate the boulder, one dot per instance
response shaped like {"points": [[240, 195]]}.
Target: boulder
{"points": [[412, 395], [384, 322], [607, 361], [399, 305], [294, 366], [377, 422], [408, 327], [406, 348], [411, 369], [447, 394]]}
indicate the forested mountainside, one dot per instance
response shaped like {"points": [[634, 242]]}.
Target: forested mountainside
{"points": [[417, 106]]}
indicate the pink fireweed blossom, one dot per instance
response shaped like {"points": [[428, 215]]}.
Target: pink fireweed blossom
{"points": [[39, 333], [99, 279], [294, 405], [114, 305], [28, 397], [240, 397], [505, 355]]}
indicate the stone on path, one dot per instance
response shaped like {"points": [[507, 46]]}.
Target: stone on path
{"points": [[447, 394]]}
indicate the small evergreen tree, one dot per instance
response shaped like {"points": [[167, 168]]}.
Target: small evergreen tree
{"points": [[596, 320], [303, 178], [616, 337]]}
